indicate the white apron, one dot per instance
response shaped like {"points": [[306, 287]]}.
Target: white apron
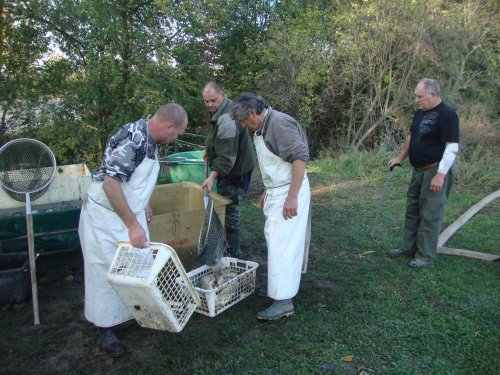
{"points": [[285, 239], [100, 228]]}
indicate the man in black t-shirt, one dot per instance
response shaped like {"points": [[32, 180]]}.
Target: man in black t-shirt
{"points": [[431, 145]]}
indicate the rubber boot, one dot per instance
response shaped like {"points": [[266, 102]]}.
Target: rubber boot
{"points": [[110, 343], [279, 309], [233, 240], [262, 292]]}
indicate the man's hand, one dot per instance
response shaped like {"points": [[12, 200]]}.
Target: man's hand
{"points": [[402, 155], [137, 235], [290, 207], [437, 182], [394, 162], [209, 182]]}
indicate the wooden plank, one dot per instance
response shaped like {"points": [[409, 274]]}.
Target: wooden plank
{"points": [[448, 232], [468, 254]]}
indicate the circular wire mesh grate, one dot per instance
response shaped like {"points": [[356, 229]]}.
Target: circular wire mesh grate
{"points": [[26, 166]]}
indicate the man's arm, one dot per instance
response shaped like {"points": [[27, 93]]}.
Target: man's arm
{"points": [[402, 155], [449, 155], [114, 192], [209, 180], [291, 201], [226, 150]]}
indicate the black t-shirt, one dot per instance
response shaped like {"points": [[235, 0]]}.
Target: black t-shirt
{"points": [[430, 131]]}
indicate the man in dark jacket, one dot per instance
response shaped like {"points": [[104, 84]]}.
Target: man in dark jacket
{"points": [[230, 155]]}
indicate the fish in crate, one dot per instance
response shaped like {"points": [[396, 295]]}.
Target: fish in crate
{"points": [[222, 286]]}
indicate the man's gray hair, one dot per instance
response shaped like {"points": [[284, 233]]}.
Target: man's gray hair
{"points": [[431, 85], [245, 103]]}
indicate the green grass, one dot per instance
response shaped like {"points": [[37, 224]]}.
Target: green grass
{"points": [[354, 300]]}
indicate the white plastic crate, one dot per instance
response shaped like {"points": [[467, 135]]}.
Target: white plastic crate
{"points": [[214, 301], [154, 285]]}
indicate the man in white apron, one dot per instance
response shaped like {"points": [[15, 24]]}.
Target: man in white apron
{"points": [[282, 153], [116, 208]]}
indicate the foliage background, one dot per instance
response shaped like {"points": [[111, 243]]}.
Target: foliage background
{"points": [[72, 71]]}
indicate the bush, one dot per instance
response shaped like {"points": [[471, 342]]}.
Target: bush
{"points": [[478, 167]]}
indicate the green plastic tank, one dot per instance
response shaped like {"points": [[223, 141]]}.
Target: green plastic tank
{"points": [[185, 166]]}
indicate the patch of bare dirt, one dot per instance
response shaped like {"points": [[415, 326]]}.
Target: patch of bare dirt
{"points": [[65, 342]]}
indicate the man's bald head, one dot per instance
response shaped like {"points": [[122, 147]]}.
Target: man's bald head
{"points": [[171, 112]]}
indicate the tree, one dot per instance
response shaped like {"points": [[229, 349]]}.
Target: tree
{"points": [[22, 44], [126, 57], [381, 46], [347, 70], [466, 36], [72, 71]]}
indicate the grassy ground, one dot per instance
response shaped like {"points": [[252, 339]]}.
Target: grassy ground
{"points": [[357, 311]]}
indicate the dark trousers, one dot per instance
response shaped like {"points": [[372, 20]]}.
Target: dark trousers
{"points": [[424, 212], [232, 221]]}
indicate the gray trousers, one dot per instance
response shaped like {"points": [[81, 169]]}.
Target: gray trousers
{"points": [[424, 212]]}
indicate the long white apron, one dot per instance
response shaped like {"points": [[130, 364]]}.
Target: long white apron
{"points": [[100, 228], [285, 239]]}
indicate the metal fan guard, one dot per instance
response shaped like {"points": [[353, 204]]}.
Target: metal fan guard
{"points": [[26, 166]]}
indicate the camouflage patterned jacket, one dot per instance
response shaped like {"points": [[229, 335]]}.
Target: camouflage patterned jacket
{"points": [[125, 150]]}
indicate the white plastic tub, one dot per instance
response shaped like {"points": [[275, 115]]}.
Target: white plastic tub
{"points": [[153, 284]]}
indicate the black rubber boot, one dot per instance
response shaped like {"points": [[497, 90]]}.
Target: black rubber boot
{"points": [[233, 240], [110, 343]]}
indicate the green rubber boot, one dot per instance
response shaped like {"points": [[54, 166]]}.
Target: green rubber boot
{"points": [[278, 310]]}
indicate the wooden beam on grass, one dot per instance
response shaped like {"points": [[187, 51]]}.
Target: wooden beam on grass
{"points": [[448, 232], [468, 254]]}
